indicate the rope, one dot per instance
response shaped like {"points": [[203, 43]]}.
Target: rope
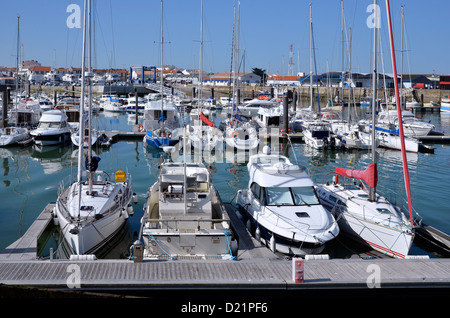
{"points": [[171, 257], [227, 233]]}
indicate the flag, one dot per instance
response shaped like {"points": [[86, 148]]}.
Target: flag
{"points": [[206, 120]]}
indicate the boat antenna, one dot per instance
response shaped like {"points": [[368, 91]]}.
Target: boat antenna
{"points": [[399, 111]]}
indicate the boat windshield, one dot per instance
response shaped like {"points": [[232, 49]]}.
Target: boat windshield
{"points": [[50, 124], [291, 196]]}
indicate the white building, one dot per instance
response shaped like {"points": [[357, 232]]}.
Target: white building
{"points": [[224, 78]]}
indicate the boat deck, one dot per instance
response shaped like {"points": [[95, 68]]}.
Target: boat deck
{"points": [[256, 271]]}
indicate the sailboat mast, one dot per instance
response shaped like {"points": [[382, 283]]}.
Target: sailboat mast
{"points": [[310, 59], [17, 61], [399, 113], [162, 69], [342, 52], [91, 177], [401, 61], [81, 126], [372, 190], [200, 71]]}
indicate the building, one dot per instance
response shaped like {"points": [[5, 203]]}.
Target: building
{"points": [[226, 78], [37, 73]]}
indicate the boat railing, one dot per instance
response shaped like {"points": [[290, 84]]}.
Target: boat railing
{"points": [[174, 223]]}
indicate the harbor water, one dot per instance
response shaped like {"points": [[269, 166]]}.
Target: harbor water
{"points": [[30, 177]]}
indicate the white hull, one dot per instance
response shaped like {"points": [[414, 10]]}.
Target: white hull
{"points": [[242, 138], [391, 141], [378, 224], [75, 137], [12, 135], [191, 224], [289, 219], [101, 216], [92, 237]]}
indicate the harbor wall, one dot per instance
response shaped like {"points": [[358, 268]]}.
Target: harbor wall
{"points": [[425, 96]]}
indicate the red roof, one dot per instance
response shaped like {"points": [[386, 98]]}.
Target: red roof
{"points": [[41, 68]]}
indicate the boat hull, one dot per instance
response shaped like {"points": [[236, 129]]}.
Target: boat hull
{"points": [[51, 139], [160, 143], [384, 233], [276, 241], [91, 238]]}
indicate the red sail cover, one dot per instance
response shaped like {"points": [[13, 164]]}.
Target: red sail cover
{"points": [[370, 175], [206, 120]]}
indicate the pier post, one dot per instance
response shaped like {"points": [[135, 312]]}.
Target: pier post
{"points": [[136, 98], [285, 115], [4, 108], [294, 101]]}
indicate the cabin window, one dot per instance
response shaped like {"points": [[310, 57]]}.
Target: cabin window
{"points": [[255, 190], [337, 201], [304, 196], [291, 196], [273, 121], [383, 210]]}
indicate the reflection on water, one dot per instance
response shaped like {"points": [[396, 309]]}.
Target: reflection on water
{"points": [[30, 177]]}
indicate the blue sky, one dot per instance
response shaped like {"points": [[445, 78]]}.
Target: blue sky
{"points": [[127, 33]]}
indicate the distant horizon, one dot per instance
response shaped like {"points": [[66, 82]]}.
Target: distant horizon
{"points": [[273, 36]]}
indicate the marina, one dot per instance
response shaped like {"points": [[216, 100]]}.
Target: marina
{"points": [[159, 193], [326, 271]]}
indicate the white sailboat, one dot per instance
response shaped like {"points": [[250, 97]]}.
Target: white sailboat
{"points": [[202, 133], [281, 209], [93, 209], [362, 213], [239, 134], [161, 135]]}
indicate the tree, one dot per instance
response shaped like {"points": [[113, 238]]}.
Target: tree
{"points": [[261, 73]]}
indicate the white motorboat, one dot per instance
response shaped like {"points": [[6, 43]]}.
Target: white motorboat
{"points": [[377, 223], [445, 104], [317, 134], [12, 135], [256, 104], [131, 104], [389, 138], [53, 129], [113, 106], [412, 126], [241, 136], [184, 216], [281, 209], [270, 117]]}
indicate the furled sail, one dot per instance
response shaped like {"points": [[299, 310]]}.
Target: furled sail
{"points": [[370, 175]]}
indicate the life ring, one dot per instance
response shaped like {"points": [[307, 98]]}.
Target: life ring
{"points": [[234, 134], [141, 128], [66, 108]]}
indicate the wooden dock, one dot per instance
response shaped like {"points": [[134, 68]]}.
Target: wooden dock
{"points": [[26, 247], [256, 274]]}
